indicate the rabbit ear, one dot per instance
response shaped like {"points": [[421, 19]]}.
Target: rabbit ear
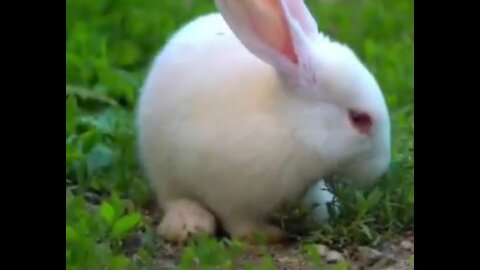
{"points": [[276, 31], [299, 11]]}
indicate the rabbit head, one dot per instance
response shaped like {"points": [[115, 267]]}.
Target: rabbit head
{"points": [[336, 103]]}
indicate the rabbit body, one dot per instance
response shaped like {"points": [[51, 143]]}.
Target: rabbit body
{"points": [[219, 126], [217, 132]]}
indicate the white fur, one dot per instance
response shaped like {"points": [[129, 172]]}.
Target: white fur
{"points": [[317, 199], [220, 126]]}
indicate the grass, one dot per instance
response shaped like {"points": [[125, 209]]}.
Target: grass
{"points": [[109, 46]]}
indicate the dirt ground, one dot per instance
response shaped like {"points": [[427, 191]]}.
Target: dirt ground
{"points": [[392, 256]]}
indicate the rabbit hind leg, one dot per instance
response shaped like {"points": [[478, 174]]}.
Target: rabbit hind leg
{"points": [[184, 220]]}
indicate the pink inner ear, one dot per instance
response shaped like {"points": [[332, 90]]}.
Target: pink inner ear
{"points": [[289, 51], [270, 23]]}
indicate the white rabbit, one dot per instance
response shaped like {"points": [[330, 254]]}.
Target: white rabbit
{"points": [[245, 109]]}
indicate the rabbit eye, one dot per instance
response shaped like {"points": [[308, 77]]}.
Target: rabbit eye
{"points": [[360, 120]]}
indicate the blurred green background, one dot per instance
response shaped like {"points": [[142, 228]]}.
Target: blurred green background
{"points": [[109, 47]]}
